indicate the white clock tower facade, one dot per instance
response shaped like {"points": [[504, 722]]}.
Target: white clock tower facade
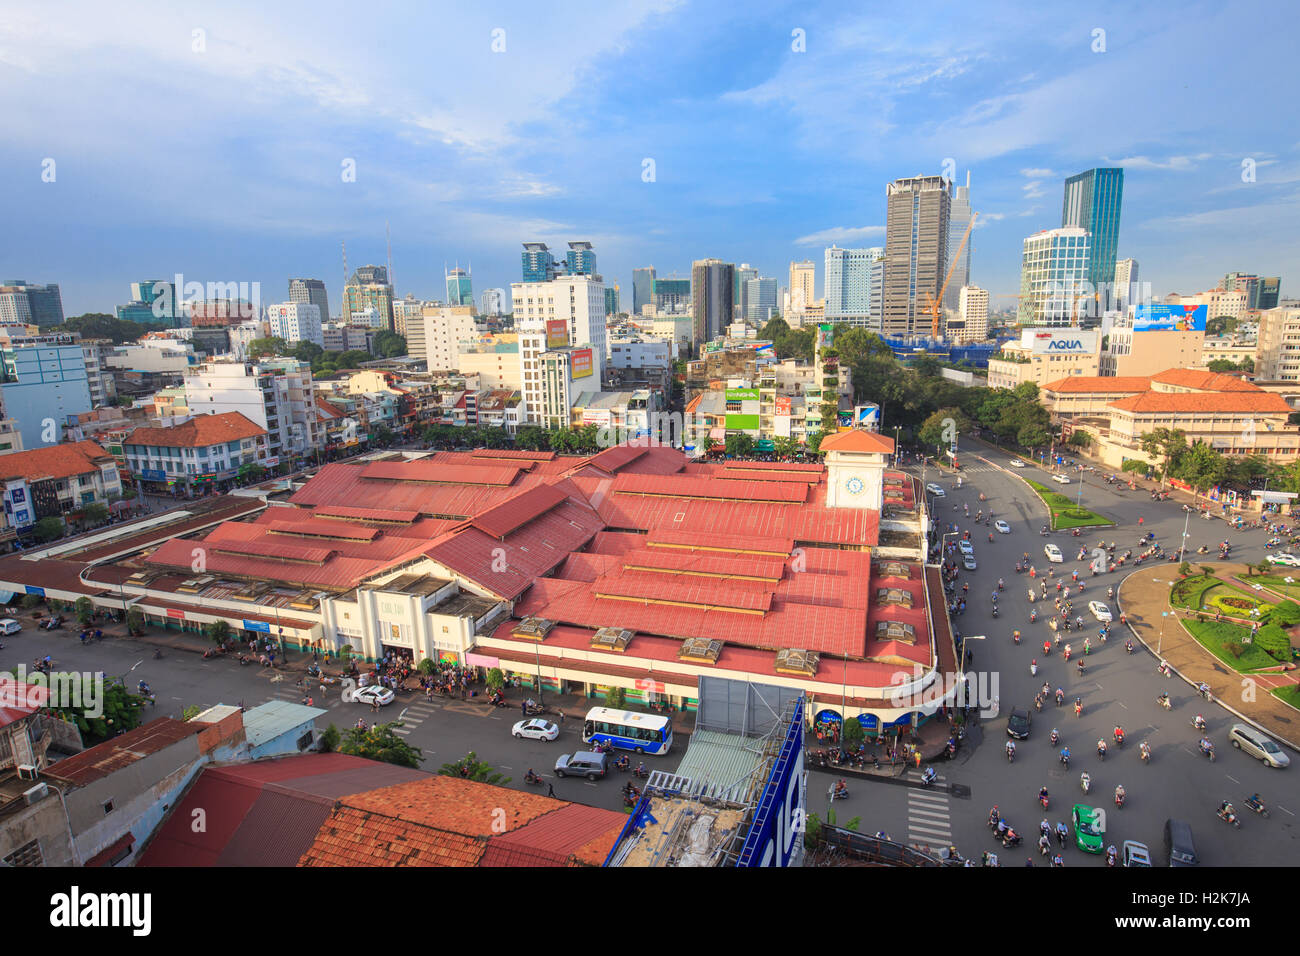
{"points": [[855, 465]]}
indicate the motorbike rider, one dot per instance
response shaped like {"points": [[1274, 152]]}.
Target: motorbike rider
{"points": [[1042, 795], [1163, 699], [1085, 781], [530, 776], [1199, 722], [1206, 745], [1011, 748], [1119, 735], [1078, 706], [1033, 667], [1225, 809], [1065, 756], [1101, 749], [841, 789], [1060, 696], [1119, 794], [1062, 833], [1055, 736], [1145, 750]]}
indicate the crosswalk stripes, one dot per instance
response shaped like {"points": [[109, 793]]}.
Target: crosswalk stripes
{"points": [[928, 814], [417, 711]]}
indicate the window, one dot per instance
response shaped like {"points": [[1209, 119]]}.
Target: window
{"points": [[108, 807], [29, 854]]}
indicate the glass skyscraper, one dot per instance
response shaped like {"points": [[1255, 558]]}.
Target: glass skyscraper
{"points": [[1092, 202], [459, 287], [852, 284], [642, 279]]}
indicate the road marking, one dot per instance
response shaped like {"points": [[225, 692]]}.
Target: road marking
{"points": [[1122, 704], [1232, 778], [921, 816], [928, 831], [1285, 810]]}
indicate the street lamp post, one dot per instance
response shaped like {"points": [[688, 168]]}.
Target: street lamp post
{"points": [[537, 656], [1182, 545]]}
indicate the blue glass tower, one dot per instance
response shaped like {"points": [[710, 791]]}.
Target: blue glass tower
{"points": [[581, 259], [1092, 202], [539, 264]]}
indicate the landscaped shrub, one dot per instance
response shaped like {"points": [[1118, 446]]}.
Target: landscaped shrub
{"points": [[1274, 641], [1234, 648], [1285, 613]]}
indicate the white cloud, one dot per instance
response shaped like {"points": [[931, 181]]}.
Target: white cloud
{"points": [[1177, 163], [838, 234], [989, 217], [1037, 173], [1034, 190]]}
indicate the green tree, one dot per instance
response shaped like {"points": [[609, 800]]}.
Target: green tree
{"points": [[469, 767], [853, 734], [251, 473], [496, 679], [99, 325], [739, 445], [1220, 325], [532, 438], [217, 631], [616, 697], [271, 346], [307, 351], [1080, 439], [48, 529], [707, 444], [95, 513], [774, 329], [31, 600], [1200, 466], [330, 739], [389, 345], [1136, 465], [1165, 444], [135, 621], [426, 666], [85, 608], [943, 427], [105, 708], [785, 447], [380, 742], [815, 442], [190, 712]]}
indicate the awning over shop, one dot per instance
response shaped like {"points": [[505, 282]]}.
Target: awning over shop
{"points": [[7, 597], [718, 434]]}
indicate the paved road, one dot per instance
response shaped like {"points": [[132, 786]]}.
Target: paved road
{"points": [[443, 729], [1116, 689]]}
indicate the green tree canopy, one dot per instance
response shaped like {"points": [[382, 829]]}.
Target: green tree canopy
{"points": [[380, 742], [469, 767]]}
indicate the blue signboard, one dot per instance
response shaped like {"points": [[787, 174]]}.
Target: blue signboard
{"points": [[153, 474], [1155, 317], [262, 626], [33, 589], [780, 817]]}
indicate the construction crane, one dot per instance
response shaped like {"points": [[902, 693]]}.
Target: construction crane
{"points": [[934, 304]]}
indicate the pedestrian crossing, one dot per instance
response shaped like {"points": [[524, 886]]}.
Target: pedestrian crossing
{"points": [[928, 813], [416, 712]]}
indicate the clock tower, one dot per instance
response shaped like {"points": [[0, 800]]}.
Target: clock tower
{"points": [[855, 465]]}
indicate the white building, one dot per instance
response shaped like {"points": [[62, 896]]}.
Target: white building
{"points": [[496, 365], [973, 326], [406, 313], [14, 308], [275, 394], [1277, 349], [152, 356], [296, 322], [368, 318], [639, 353], [443, 328], [760, 299], [1053, 277], [1126, 277], [565, 312], [492, 302], [803, 282], [853, 285]]}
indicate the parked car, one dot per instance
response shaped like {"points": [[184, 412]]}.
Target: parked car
{"points": [[1246, 738], [368, 695], [1001, 527], [1100, 611], [536, 729], [1134, 853], [935, 490], [1017, 463], [10, 626], [1283, 558], [1061, 479], [1053, 553]]}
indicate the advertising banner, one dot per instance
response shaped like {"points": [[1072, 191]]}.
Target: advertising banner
{"points": [[1067, 341], [595, 416], [262, 626], [153, 474], [557, 333], [783, 405], [742, 423], [742, 395], [1154, 317], [582, 363], [825, 336]]}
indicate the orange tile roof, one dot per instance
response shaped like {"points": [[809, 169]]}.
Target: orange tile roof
{"points": [[1099, 383], [1261, 402], [203, 431], [54, 461], [1205, 381], [858, 440], [333, 411]]}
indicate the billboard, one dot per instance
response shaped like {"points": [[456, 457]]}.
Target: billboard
{"points": [[867, 416], [825, 336], [783, 405], [742, 395], [742, 423], [582, 363], [557, 333], [1154, 317], [1066, 341], [775, 837], [596, 416]]}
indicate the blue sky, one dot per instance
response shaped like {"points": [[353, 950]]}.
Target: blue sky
{"points": [[224, 164]]}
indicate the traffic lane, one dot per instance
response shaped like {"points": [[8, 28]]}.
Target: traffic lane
{"points": [[1110, 687]]}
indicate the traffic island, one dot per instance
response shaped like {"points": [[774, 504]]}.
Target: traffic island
{"points": [[1065, 513]]}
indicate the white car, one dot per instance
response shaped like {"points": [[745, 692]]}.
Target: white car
{"points": [[1100, 611], [1053, 553], [935, 490], [368, 695], [968, 562], [965, 547], [1288, 560], [536, 729], [1061, 479], [1017, 463], [1001, 527]]}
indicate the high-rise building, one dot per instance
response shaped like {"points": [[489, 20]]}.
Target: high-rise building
{"points": [[958, 220], [1092, 203], [850, 285], [406, 313], [1270, 290], [1053, 277], [713, 284], [803, 285], [44, 381], [916, 252], [760, 299], [296, 322], [1126, 277], [369, 288], [459, 287], [642, 286], [611, 300], [492, 302], [1245, 282], [580, 259], [973, 324], [311, 291], [44, 304], [442, 328], [1276, 357], [539, 307], [15, 308], [153, 300], [740, 276], [276, 394], [538, 263], [670, 295]]}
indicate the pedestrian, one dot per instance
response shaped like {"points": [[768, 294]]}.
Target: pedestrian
{"points": [[550, 790]]}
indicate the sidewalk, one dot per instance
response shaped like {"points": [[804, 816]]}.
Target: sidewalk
{"points": [[1143, 595]]}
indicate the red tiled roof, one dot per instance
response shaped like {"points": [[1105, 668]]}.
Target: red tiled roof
{"points": [[695, 592], [712, 563], [368, 514], [54, 461], [202, 431], [684, 486], [670, 538], [19, 701], [330, 409], [424, 471], [1204, 380], [118, 752], [318, 527], [1266, 403], [1101, 384], [859, 441], [510, 515], [513, 454]]}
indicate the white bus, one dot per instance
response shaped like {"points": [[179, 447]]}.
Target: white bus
{"points": [[644, 733]]}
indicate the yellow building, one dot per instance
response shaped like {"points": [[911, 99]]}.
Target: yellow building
{"points": [[1045, 355]]}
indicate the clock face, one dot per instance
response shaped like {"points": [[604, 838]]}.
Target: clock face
{"points": [[854, 485]]}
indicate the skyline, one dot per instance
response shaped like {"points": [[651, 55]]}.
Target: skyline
{"points": [[226, 164]]}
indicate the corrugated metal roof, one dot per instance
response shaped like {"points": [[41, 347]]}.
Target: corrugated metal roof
{"points": [[513, 454], [698, 592], [372, 514], [669, 537], [684, 486], [114, 754], [268, 721], [510, 515], [711, 563], [425, 471], [725, 763], [276, 830]]}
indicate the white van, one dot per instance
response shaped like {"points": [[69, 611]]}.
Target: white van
{"points": [[10, 626]]}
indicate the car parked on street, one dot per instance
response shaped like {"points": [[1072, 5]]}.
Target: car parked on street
{"points": [[373, 693], [1250, 741], [10, 626], [1061, 479], [536, 729]]}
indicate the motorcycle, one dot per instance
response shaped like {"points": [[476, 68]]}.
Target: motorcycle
{"points": [[1146, 754], [1011, 839], [1207, 751], [929, 776], [533, 778], [1085, 781], [840, 794], [643, 773], [1228, 816], [1119, 799], [1257, 806], [1164, 702], [1055, 737]]}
